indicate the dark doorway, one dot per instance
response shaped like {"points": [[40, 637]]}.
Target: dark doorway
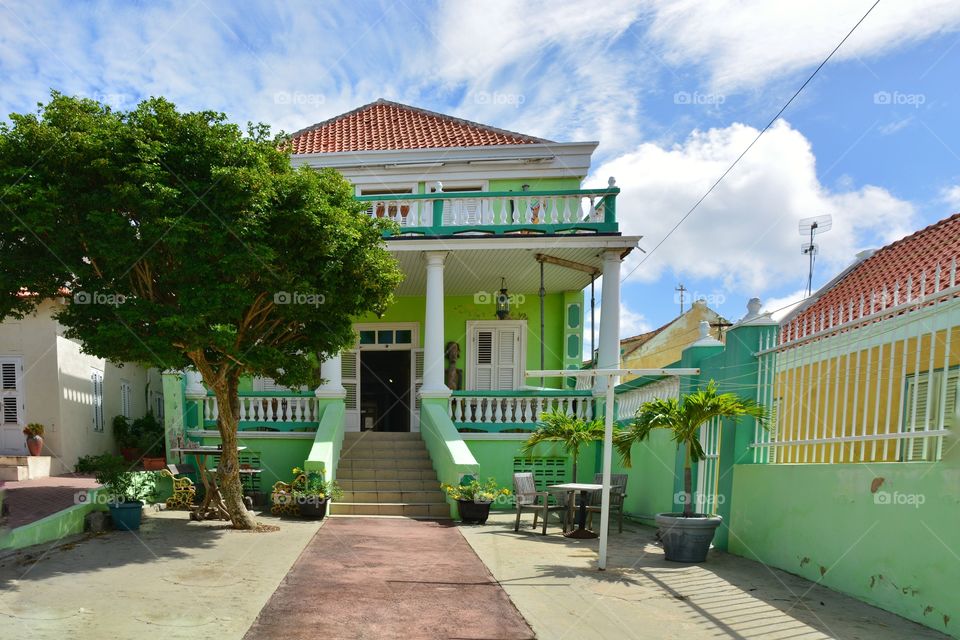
{"points": [[385, 390]]}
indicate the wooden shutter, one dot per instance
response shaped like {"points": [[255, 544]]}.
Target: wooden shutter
{"points": [[11, 393], [508, 358], [416, 361], [484, 365], [96, 384], [350, 378], [125, 398]]}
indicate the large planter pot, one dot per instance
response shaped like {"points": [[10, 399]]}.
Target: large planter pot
{"points": [[313, 508], [35, 445], [154, 464], [130, 454], [126, 516], [473, 512], [686, 539]]}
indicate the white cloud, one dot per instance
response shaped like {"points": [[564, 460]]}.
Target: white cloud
{"points": [[951, 196], [745, 234], [631, 323], [748, 43], [780, 306]]}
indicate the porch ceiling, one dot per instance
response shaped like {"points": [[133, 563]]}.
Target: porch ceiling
{"points": [[477, 264]]}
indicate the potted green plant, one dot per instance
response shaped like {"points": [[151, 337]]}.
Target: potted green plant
{"points": [[126, 439], [686, 536], [34, 434], [474, 498], [311, 492], [149, 435], [125, 495], [571, 432]]}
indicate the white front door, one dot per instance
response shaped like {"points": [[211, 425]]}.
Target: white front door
{"points": [[12, 409]]}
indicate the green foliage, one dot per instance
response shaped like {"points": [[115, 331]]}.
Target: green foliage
{"points": [[90, 464], [179, 237], [571, 432], [476, 491], [149, 435], [121, 484], [311, 484], [683, 418], [33, 429], [122, 433]]}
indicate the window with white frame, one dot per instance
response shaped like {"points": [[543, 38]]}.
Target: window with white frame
{"points": [[930, 405], [96, 391], [464, 211], [495, 353], [156, 404]]}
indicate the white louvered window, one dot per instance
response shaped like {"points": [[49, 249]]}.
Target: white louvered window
{"points": [[11, 393], [156, 404], [495, 354], [126, 397], [96, 391], [930, 404]]}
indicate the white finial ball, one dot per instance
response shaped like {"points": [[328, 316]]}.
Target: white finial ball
{"points": [[611, 182], [438, 187]]}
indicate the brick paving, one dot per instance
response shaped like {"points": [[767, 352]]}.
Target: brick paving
{"points": [[31, 500]]}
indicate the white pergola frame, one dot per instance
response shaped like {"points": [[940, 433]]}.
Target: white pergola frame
{"points": [[612, 377]]}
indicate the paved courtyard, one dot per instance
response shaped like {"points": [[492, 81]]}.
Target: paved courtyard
{"points": [[370, 577], [555, 585], [30, 500]]}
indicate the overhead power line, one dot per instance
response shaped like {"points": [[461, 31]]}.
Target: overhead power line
{"points": [[750, 146]]}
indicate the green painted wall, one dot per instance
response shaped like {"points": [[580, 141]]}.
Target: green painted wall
{"points": [[495, 458], [536, 184], [650, 480], [823, 522], [459, 309], [278, 456]]}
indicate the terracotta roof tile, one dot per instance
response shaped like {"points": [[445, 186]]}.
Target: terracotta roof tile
{"points": [[385, 125], [909, 258]]}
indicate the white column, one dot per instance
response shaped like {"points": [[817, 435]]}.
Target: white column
{"points": [[608, 353], [195, 388], [433, 383], [331, 372]]}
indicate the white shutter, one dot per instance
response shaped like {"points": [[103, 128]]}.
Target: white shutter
{"points": [[508, 358], [96, 387], [484, 366], [11, 392], [918, 389], [350, 378], [126, 392], [416, 360]]}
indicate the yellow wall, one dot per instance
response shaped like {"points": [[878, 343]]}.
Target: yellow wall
{"points": [[864, 380], [665, 348]]}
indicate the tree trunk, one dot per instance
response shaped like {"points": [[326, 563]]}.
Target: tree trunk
{"points": [[687, 485], [228, 469]]}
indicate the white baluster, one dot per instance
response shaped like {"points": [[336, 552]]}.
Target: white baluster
{"points": [[498, 411]]}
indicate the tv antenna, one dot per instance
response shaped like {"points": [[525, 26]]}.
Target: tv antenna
{"points": [[811, 227]]}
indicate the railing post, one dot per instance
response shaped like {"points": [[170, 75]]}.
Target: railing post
{"points": [[437, 222], [610, 203]]}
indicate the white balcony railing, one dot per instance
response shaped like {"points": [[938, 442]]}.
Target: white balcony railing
{"points": [[514, 409], [267, 409]]}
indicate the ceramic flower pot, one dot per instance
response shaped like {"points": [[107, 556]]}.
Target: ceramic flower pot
{"points": [[687, 539], [126, 516], [473, 512], [313, 508], [35, 445]]}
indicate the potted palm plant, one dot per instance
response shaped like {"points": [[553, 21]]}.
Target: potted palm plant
{"points": [[474, 498], [686, 536], [571, 432], [34, 434], [125, 495]]}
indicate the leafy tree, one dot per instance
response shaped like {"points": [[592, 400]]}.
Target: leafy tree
{"points": [[181, 240], [683, 420], [572, 433]]}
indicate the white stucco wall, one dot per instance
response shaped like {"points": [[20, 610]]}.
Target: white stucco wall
{"points": [[59, 391]]}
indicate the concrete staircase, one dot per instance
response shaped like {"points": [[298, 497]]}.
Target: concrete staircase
{"points": [[388, 474], [16, 468]]}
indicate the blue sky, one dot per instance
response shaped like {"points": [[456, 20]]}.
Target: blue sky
{"points": [[672, 90]]}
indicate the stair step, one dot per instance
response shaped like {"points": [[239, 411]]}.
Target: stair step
{"points": [[14, 472], [388, 497], [385, 454], [351, 436], [389, 445], [387, 485], [408, 509], [385, 463], [373, 473]]}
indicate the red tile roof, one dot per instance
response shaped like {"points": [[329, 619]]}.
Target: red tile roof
{"points": [[385, 125], [908, 259]]}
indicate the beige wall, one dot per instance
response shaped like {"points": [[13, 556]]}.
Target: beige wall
{"points": [[665, 348], [59, 391]]}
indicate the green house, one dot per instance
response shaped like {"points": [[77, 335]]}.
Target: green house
{"points": [[504, 252]]}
